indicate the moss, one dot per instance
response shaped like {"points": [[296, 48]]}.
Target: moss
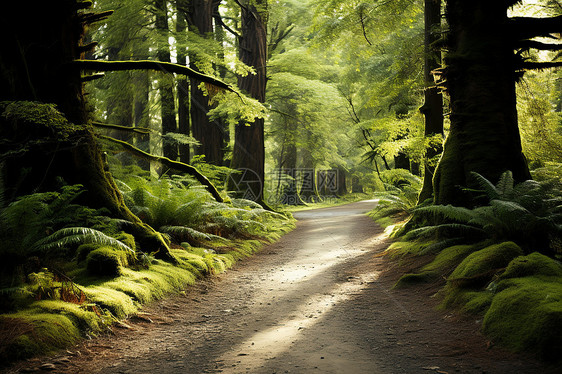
{"points": [[410, 279], [106, 261], [126, 239], [84, 250], [532, 264], [469, 301], [85, 319], [479, 267], [116, 302], [449, 258], [46, 333], [526, 315], [400, 249], [39, 115]]}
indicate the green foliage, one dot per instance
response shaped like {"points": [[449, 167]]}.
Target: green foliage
{"points": [[400, 197], [527, 213], [185, 211], [37, 224]]}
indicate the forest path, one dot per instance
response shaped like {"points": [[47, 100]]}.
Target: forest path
{"points": [[317, 301]]}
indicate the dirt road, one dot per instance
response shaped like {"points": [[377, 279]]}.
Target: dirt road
{"points": [[318, 301]]}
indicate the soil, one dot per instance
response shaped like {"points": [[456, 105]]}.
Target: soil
{"points": [[318, 301]]}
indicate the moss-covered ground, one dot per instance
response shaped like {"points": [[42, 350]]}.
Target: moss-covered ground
{"points": [[107, 288]]}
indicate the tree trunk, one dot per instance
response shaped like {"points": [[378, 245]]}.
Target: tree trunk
{"points": [[208, 133], [248, 155], [36, 57], [182, 82], [342, 182], [308, 184], [166, 81], [220, 36], [484, 135], [432, 108], [290, 195]]}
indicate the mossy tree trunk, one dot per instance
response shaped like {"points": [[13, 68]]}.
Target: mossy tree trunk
{"points": [[248, 154], [480, 66], [38, 147]]}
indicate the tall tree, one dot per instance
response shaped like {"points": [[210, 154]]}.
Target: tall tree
{"points": [[480, 75], [248, 155], [165, 83], [182, 83], [201, 23], [432, 108]]}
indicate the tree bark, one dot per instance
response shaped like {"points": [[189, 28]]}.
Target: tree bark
{"points": [[248, 155], [208, 133], [184, 125], [480, 80], [165, 83], [433, 105]]}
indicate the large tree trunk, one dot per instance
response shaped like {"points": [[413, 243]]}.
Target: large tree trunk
{"points": [[36, 59], [432, 108], [248, 155], [484, 135], [166, 81]]}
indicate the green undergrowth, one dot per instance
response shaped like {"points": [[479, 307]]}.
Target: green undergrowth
{"points": [[42, 326], [518, 296]]}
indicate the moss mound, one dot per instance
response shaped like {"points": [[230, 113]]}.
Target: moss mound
{"points": [[535, 264], [478, 268], [526, 315], [442, 265], [106, 261]]}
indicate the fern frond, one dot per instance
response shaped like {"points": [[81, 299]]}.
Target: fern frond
{"points": [[77, 235], [505, 184], [489, 189], [459, 214], [187, 233]]}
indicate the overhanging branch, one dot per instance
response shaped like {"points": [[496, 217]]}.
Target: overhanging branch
{"points": [[527, 44], [176, 165], [166, 67], [528, 27], [540, 65], [138, 130]]}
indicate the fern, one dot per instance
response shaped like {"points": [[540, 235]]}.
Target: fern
{"points": [[77, 235], [528, 213]]}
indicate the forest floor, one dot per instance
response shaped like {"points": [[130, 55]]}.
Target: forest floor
{"points": [[318, 301]]}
